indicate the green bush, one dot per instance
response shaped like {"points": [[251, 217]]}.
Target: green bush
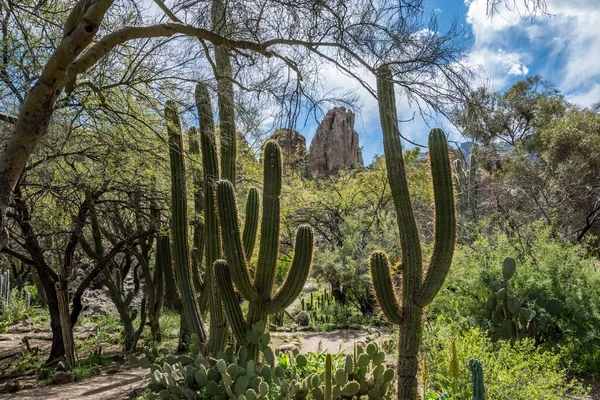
{"points": [[519, 371], [547, 268]]}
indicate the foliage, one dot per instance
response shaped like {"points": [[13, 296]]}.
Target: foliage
{"points": [[549, 268], [519, 371], [14, 307], [234, 374], [508, 315]]}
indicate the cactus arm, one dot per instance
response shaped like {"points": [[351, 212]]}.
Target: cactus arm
{"points": [[232, 242], [407, 226], [269, 230], [164, 249], [298, 273], [251, 223], [328, 377], [225, 100], [230, 301], [384, 290], [210, 162], [179, 221], [445, 218], [198, 234], [197, 254], [158, 278]]}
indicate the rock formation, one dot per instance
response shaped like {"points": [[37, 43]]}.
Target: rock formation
{"points": [[335, 145], [293, 149]]}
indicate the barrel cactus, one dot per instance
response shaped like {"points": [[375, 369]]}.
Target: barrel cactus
{"points": [[416, 291]]}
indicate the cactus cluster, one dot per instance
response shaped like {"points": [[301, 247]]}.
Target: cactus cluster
{"points": [[416, 291], [362, 373], [509, 316], [233, 374], [236, 268]]}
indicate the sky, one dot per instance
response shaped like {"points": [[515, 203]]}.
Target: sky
{"points": [[563, 47]]}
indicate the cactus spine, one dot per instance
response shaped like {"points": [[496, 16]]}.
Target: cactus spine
{"points": [[416, 292], [258, 291], [477, 379], [179, 223]]}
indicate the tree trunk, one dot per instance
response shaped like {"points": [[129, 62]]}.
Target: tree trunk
{"points": [[58, 348], [62, 294]]}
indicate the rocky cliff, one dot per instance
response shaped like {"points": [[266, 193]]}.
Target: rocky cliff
{"points": [[335, 145], [293, 149]]}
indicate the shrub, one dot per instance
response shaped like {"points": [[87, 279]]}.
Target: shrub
{"points": [[547, 268], [519, 371]]}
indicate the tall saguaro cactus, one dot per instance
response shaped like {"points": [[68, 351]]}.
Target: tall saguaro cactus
{"points": [[210, 163], [258, 291], [179, 223], [415, 292]]}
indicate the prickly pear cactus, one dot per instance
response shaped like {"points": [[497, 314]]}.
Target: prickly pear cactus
{"points": [[233, 374], [509, 316]]}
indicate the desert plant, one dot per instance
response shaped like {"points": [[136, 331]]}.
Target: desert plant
{"points": [[236, 270], [477, 380], [416, 292], [509, 316], [179, 223]]}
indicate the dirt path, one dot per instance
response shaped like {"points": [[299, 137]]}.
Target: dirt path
{"points": [[331, 342], [117, 386]]}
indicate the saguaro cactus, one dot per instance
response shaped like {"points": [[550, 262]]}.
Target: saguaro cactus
{"points": [[210, 164], [416, 292], [179, 222], [258, 291]]}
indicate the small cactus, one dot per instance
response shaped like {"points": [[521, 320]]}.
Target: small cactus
{"points": [[302, 318], [477, 379]]}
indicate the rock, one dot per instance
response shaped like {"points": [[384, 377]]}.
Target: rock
{"points": [[355, 327], [19, 329], [60, 366], [137, 392], [293, 149], [12, 386], [335, 145], [287, 347], [61, 378], [272, 327]]}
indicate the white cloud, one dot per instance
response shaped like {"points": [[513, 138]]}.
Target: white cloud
{"points": [[569, 37], [498, 65]]}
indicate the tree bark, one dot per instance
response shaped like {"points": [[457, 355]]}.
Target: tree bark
{"points": [[62, 294]]}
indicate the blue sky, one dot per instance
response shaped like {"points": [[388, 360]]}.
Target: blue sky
{"points": [[563, 47]]}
